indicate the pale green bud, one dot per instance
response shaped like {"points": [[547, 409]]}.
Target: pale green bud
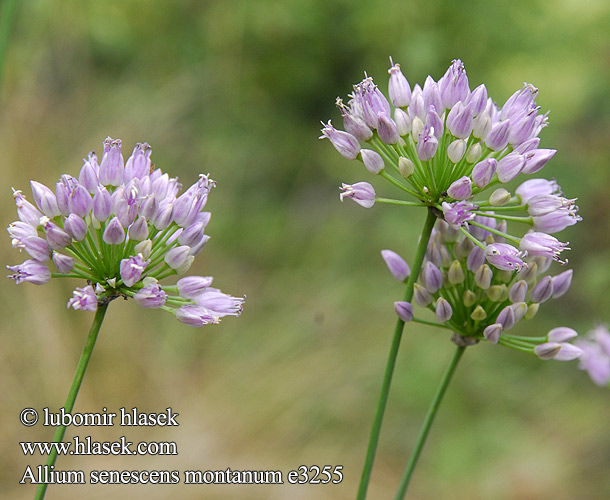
{"points": [[455, 274], [478, 314], [532, 310], [474, 152], [417, 126], [144, 247], [456, 150], [469, 298], [499, 197], [496, 293], [405, 166], [483, 276]]}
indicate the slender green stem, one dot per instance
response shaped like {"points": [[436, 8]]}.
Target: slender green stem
{"points": [[430, 323], [389, 370], [495, 231], [432, 411], [525, 220], [399, 184], [391, 201], [76, 382], [472, 238]]}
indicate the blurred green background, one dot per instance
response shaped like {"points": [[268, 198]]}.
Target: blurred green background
{"points": [[237, 89]]}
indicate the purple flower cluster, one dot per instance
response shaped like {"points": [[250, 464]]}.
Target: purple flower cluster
{"points": [[123, 226], [449, 132], [445, 144], [479, 301]]}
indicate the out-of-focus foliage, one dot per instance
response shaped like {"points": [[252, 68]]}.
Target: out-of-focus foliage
{"points": [[237, 89]]}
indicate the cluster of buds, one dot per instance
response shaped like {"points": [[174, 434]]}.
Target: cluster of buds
{"points": [[123, 227], [444, 144], [482, 302]]}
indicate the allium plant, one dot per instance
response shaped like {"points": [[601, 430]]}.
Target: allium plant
{"points": [[123, 227], [484, 260]]}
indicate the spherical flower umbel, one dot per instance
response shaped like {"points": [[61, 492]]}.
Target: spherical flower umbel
{"points": [[123, 226], [444, 145]]}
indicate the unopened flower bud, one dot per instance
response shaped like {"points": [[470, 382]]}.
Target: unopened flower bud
{"points": [[386, 128], [492, 333], [443, 310], [421, 295], [561, 283], [497, 139], [76, 227], [396, 264], [536, 159], [460, 189], [112, 165], [547, 350], [456, 150], [63, 263], [186, 265], [543, 291], [102, 204], [509, 167], [499, 197], [192, 286], [532, 310], [398, 87], [404, 310], [561, 334], [417, 126], [496, 293], [138, 231], [518, 291], [455, 274], [483, 172], [405, 166], [568, 352], [469, 298], [474, 152], [177, 256], [57, 238], [520, 310], [45, 199], [114, 233], [403, 122], [144, 248], [476, 258], [483, 276], [478, 314], [372, 161], [431, 277], [506, 318], [481, 126]]}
